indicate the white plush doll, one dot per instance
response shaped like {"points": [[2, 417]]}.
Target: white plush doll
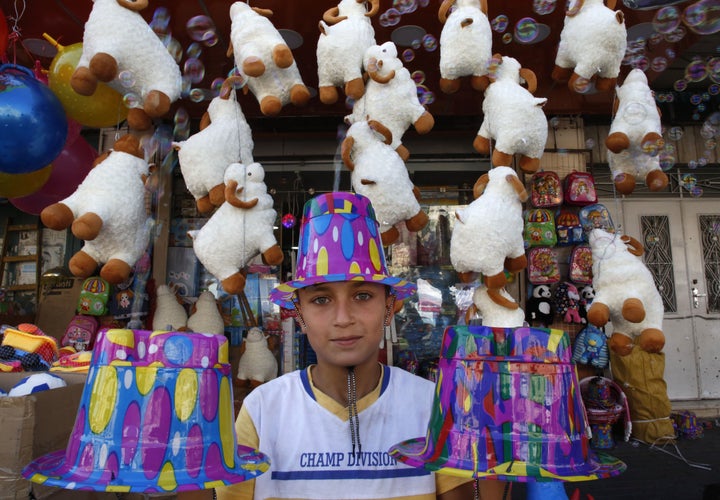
{"points": [[491, 312], [345, 34], [380, 174], [263, 58], [257, 363], [512, 116], [625, 294], [107, 210], [118, 40], [635, 136], [488, 235], [465, 44], [592, 46], [239, 229], [390, 97], [224, 138], [169, 313], [206, 317]]}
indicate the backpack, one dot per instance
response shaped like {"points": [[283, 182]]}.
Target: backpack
{"points": [[581, 265], [94, 296], [568, 228], [543, 266], [539, 228], [546, 190], [596, 216], [579, 189], [80, 332]]}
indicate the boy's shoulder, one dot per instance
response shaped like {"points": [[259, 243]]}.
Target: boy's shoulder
{"points": [[405, 379]]}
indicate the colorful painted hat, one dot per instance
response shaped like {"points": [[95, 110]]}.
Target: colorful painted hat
{"points": [[507, 406], [155, 416], [339, 241]]}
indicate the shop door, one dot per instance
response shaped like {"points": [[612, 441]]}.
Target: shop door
{"points": [[682, 249]]}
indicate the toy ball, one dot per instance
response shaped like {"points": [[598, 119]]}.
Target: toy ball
{"points": [[33, 127], [37, 382], [68, 170], [12, 185], [104, 108]]}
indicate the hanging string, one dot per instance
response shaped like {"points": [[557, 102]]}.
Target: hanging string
{"points": [[353, 411]]}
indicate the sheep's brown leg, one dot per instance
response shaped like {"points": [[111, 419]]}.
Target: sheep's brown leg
{"points": [[620, 344], [233, 284]]}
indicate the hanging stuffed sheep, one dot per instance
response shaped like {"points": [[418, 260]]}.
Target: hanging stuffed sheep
{"points": [[390, 97], [240, 229], [592, 46], [345, 34], [625, 294], [635, 136], [491, 312], [224, 138], [380, 174], [465, 44], [118, 40], [488, 235], [512, 116], [263, 58], [107, 210]]}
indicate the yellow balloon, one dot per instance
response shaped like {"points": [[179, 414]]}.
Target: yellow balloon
{"points": [[16, 185], [104, 108]]}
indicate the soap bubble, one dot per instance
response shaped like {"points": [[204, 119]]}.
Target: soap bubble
{"points": [[582, 85], [194, 50], [667, 161], [126, 78], [675, 133], [160, 22], [194, 69], [408, 55], [390, 17], [405, 6], [197, 27], [695, 99], [429, 42], [543, 7], [197, 95], [696, 192], [500, 23], [635, 113], [696, 70], [181, 116], [703, 17], [507, 38], [713, 69], [666, 19], [174, 48], [418, 77], [526, 30], [589, 144], [676, 35], [659, 64], [131, 100], [680, 85]]}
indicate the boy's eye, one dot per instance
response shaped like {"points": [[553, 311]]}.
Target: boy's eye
{"points": [[363, 296], [320, 300]]}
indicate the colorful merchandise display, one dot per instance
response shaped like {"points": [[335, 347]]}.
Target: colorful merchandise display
{"points": [[507, 406], [156, 415]]}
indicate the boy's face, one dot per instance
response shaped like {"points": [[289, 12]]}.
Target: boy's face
{"points": [[344, 320]]}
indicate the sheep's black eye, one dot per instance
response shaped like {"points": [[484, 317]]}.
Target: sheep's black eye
{"points": [[249, 174]]}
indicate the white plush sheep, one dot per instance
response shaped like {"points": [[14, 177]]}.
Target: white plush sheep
{"points": [[379, 173], [390, 97], [465, 44], [592, 43], [118, 40], [488, 234], [625, 294], [107, 210], [635, 136], [224, 138], [206, 317], [512, 117], [169, 313], [345, 34], [239, 229], [257, 363], [493, 314], [264, 59]]}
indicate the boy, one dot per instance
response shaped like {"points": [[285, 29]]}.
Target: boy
{"points": [[327, 428]]}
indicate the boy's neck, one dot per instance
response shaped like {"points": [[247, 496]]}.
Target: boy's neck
{"points": [[332, 380]]}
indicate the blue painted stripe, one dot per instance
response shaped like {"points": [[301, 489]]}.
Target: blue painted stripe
{"points": [[385, 380], [306, 382], [317, 475]]}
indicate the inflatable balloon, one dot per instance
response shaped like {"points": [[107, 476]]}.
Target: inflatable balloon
{"points": [[3, 33], [69, 170], [74, 129], [33, 126], [104, 108], [12, 185]]}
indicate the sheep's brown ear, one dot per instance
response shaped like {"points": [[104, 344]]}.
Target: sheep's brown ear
{"points": [[517, 186], [634, 246], [443, 10], [263, 12], [611, 4], [382, 130], [374, 8], [134, 5], [529, 76], [573, 7], [480, 185]]}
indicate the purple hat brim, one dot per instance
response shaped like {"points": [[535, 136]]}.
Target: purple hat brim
{"points": [[284, 293], [597, 466], [52, 470]]}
